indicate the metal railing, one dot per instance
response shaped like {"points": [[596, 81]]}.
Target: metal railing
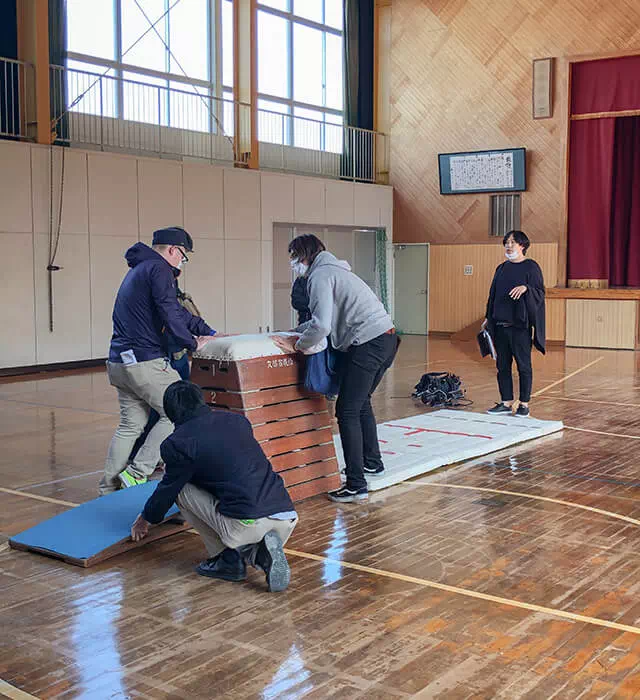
{"points": [[111, 112], [16, 85], [115, 113], [310, 146]]}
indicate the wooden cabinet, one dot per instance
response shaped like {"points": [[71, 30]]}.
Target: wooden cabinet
{"points": [[601, 323]]}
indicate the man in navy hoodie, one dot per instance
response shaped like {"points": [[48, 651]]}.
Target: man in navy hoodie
{"points": [[138, 365], [225, 487]]}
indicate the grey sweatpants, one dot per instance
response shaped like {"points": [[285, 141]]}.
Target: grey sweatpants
{"points": [[200, 509], [140, 388]]}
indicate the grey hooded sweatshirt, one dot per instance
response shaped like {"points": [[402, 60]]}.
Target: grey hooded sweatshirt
{"points": [[341, 305]]}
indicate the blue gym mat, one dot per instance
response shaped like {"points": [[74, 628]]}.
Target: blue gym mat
{"points": [[83, 533]]}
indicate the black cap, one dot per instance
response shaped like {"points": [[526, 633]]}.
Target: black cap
{"points": [[173, 235]]}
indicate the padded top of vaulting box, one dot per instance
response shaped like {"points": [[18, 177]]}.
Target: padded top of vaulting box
{"points": [[233, 348]]}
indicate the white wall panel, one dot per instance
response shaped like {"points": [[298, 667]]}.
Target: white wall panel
{"points": [[242, 204], [244, 286], [276, 192], [17, 313], [113, 195], [202, 192], [367, 205], [339, 203], [15, 188], [309, 200], [159, 194]]}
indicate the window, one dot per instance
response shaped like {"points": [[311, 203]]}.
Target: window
{"points": [[168, 74], [300, 73], [171, 63]]}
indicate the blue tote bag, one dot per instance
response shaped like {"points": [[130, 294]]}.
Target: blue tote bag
{"points": [[322, 373]]}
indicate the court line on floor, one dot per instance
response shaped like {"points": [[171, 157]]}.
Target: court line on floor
{"points": [[10, 691], [570, 504], [531, 607], [57, 481], [36, 497], [564, 379], [606, 403], [602, 432]]}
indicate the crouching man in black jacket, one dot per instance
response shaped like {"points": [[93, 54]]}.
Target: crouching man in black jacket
{"points": [[226, 489]]}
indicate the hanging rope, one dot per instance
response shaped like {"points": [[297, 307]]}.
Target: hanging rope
{"points": [[381, 266], [54, 230]]}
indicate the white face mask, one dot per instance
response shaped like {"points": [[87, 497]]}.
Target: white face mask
{"points": [[513, 255], [299, 268]]}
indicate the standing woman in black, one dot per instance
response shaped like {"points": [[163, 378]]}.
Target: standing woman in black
{"points": [[515, 319]]}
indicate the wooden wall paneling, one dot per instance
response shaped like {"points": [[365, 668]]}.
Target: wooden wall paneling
{"points": [[461, 80], [599, 323], [456, 299], [556, 320]]}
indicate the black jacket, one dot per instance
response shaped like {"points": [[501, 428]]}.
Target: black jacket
{"points": [[529, 310], [146, 304], [217, 452], [300, 300]]}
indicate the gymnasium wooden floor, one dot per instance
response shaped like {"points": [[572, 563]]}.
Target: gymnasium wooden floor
{"points": [[512, 576]]}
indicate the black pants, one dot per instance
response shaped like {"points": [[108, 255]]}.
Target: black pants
{"points": [[362, 369], [512, 342]]}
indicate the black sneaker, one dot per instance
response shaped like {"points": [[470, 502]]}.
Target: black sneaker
{"points": [[374, 471], [346, 495], [499, 408], [271, 558], [224, 566], [523, 411]]}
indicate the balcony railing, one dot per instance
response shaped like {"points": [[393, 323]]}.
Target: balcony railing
{"points": [[180, 120], [113, 113], [16, 81]]}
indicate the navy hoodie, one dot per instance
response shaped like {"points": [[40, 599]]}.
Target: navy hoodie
{"points": [[146, 304], [216, 451]]}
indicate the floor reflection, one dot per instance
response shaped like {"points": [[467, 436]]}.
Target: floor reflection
{"points": [[95, 639], [331, 570], [292, 672]]}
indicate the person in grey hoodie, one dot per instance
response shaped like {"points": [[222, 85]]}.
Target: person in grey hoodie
{"points": [[345, 309]]}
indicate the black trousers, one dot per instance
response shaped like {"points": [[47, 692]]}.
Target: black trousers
{"points": [[362, 370], [512, 342]]}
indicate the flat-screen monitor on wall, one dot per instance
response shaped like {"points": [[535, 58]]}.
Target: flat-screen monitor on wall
{"points": [[483, 171]]}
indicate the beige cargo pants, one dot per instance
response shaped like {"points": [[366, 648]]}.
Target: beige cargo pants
{"points": [[200, 509], [140, 387]]}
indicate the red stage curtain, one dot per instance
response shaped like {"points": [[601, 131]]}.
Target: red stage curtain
{"points": [[625, 205], [608, 85], [590, 182]]}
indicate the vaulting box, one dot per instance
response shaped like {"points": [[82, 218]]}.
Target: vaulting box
{"points": [[251, 375]]}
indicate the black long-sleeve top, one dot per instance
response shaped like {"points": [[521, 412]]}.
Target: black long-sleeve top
{"points": [[526, 312]]}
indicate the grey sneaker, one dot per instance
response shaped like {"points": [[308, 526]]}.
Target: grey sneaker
{"points": [[271, 558], [499, 408]]}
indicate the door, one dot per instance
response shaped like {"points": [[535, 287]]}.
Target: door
{"points": [[411, 285]]}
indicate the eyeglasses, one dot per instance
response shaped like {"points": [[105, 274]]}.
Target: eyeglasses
{"points": [[185, 259]]}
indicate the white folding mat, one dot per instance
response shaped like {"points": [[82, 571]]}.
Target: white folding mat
{"points": [[420, 444]]}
